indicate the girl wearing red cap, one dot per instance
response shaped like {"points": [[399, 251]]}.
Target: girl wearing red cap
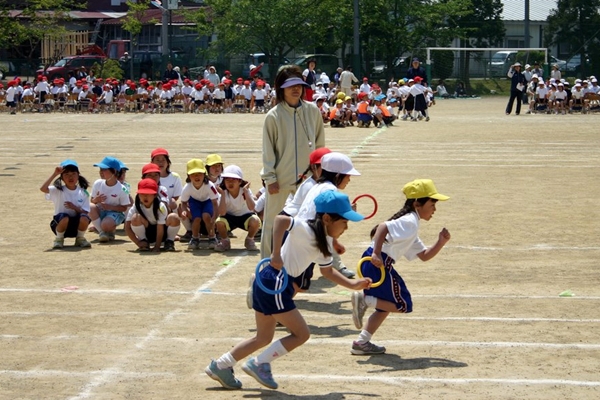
{"points": [[145, 222], [11, 94], [397, 237]]}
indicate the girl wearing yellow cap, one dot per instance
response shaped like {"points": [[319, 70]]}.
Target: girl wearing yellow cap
{"points": [[393, 239]]}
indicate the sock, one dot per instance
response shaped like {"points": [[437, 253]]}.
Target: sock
{"points": [[273, 352], [226, 361], [364, 337], [427, 113], [139, 231], [81, 233], [60, 235], [187, 224], [371, 301], [97, 225], [172, 232]]}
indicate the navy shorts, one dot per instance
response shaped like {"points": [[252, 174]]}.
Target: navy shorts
{"points": [[72, 227], [365, 117], [303, 280], [269, 304], [234, 221], [198, 208], [393, 288], [151, 234]]}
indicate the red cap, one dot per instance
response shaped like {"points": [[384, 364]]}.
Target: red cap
{"points": [[365, 79], [149, 168], [85, 87], [159, 152], [198, 86], [362, 95], [240, 80], [316, 155], [228, 81], [226, 73], [246, 82], [418, 79], [147, 186]]}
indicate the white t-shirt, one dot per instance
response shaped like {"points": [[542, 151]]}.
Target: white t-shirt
{"points": [[10, 93], [149, 214], [300, 249], [237, 205], [577, 94], [246, 92], [116, 195], [403, 238], [206, 192], [560, 95], [173, 184], [292, 205], [259, 94], [308, 210], [79, 197]]}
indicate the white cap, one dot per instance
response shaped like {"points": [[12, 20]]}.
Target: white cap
{"points": [[577, 80], [535, 76], [594, 80], [176, 69], [527, 66], [232, 171], [578, 85], [338, 163]]}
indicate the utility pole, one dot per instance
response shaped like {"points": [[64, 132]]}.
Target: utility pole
{"points": [[356, 51], [527, 35]]}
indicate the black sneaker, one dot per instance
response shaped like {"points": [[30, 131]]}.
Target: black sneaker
{"points": [[169, 245], [186, 238]]}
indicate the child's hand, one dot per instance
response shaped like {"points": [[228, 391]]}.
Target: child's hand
{"points": [[361, 283], [246, 186], [444, 236], [376, 260], [70, 206], [276, 261], [58, 170]]}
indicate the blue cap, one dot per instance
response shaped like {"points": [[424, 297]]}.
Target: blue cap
{"points": [[381, 97], [334, 202], [392, 100], [109, 162], [68, 162], [122, 165]]}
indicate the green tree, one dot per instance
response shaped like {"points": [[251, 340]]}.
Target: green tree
{"points": [[23, 33], [132, 23], [274, 27], [391, 28], [577, 23], [483, 28]]}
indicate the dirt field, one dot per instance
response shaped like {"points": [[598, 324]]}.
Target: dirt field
{"points": [[488, 321]]}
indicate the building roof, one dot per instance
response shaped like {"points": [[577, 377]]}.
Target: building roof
{"points": [[152, 16], [539, 10]]}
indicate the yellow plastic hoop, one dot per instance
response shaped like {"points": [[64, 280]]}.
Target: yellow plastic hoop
{"points": [[359, 271]]}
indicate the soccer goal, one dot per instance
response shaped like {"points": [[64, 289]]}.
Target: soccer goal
{"points": [[492, 62]]}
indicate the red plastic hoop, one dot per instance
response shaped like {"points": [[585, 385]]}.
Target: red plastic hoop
{"points": [[374, 203]]}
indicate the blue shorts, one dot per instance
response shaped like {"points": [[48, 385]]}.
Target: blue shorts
{"points": [[365, 117], [393, 288], [118, 217], [72, 226], [197, 208], [269, 304]]}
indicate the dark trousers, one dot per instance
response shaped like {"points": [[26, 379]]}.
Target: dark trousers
{"points": [[514, 94]]}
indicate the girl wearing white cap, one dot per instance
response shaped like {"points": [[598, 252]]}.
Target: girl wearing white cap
{"points": [[393, 239], [292, 130], [236, 209], [307, 242]]}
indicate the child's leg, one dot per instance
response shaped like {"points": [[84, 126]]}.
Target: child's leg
{"points": [[61, 227], [173, 224], [196, 227], [221, 229], [210, 226]]}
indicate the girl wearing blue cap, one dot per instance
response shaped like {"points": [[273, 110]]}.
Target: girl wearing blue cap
{"points": [[393, 239], [307, 242], [71, 204], [110, 199]]}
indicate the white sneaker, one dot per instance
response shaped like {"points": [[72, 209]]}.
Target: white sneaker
{"points": [[59, 243], [359, 307]]}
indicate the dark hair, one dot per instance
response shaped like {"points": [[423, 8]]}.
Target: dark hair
{"points": [[285, 72], [302, 176], [333, 177], [122, 172], [83, 183], [409, 206], [155, 206], [205, 180], [318, 228]]}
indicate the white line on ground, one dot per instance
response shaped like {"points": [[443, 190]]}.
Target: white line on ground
{"points": [[108, 373], [445, 381], [52, 372]]}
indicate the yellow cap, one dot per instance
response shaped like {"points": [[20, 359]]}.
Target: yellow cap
{"points": [[341, 95], [213, 159], [347, 98], [339, 101], [195, 166], [420, 188]]}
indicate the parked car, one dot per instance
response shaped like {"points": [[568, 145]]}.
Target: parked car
{"points": [[379, 70], [147, 64], [500, 62], [7, 68], [327, 63], [574, 63], [562, 64], [70, 64]]}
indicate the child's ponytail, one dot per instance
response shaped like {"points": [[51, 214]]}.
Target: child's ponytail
{"points": [[409, 206], [302, 176], [155, 206], [318, 228]]}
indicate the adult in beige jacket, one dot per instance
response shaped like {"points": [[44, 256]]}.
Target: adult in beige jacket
{"points": [[292, 130]]}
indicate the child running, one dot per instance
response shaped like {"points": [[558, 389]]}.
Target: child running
{"points": [[71, 204], [307, 242], [145, 223], [199, 204], [393, 239]]}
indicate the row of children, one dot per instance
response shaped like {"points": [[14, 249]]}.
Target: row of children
{"points": [[556, 96], [114, 95], [213, 200], [309, 235]]}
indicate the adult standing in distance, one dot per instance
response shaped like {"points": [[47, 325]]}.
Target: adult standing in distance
{"points": [[517, 85], [415, 70], [346, 79], [310, 77], [292, 130]]}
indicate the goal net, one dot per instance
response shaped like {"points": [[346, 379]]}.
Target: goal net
{"points": [[491, 63]]}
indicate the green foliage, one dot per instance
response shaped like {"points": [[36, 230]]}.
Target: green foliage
{"points": [[443, 63], [109, 69], [530, 57], [133, 20], [576, 22]]}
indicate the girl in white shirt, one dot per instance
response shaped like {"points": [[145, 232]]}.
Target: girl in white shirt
{"points": [[145, 223], [393, 239]]}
